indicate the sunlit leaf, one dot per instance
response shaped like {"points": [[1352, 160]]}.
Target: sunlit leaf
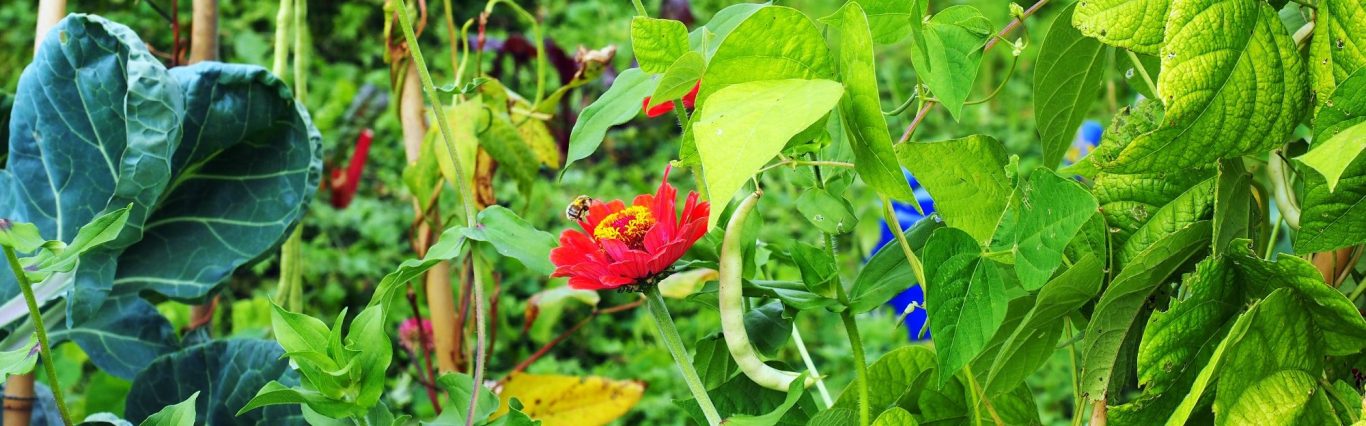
{"points": [[568, 400]]}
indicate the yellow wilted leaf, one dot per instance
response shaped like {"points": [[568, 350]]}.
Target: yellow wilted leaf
{"points": [[568, 400]]}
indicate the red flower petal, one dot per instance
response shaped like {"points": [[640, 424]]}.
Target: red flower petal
{"points": [[658, 110], [691, 98]]}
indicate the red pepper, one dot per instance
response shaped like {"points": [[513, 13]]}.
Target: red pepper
{"points": [[344, 186]]}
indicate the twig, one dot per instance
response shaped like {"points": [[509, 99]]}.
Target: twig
{"points": [[919, 116], [522, 366]]}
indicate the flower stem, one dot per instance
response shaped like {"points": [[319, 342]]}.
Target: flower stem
{"points": [[856, 343], [1138, 65], [811, 365], [45, 349], [916, 266], [669, 335]]}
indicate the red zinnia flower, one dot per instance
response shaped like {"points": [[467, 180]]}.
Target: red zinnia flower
{"points": [[664, 108], [627, 245], [411, 338]]}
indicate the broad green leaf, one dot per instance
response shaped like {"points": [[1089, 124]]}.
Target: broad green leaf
{"points": [[514, 237], [1240, 90], [1343, 328], [1346, 401], [181, 414], [1118, 308], [1345, 107], [316, 408], [22, 237], [81, 146], [818, 268], [372, 353], [965, 297], [1336, 50], [861, 110], [829, 213], [947, 50], [835, 417], [713, 362], [1271, 374], [1233, 204], [1217, 362], [1051, 211], [793, 294], [1034, 339], [771, 43], [249, 162], [890, 377], [966, 177], [794, 394], [232, 371], [743, 126], [679, 79], [890, 20], [1193, 205], [1336, 218], [657, 42], [895, 416], [768, 329], [123, 337], [619, 104], [1071, 69], [1331, 157], [709, 37], [21, 360], [1131, 24], [1178, 342]]}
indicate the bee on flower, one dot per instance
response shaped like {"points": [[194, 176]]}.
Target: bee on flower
{"points": [[621, 245]]}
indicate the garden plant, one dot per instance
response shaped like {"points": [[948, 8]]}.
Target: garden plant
{"points": [[554, 212]]}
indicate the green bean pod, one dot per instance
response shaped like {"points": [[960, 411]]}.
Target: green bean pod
{"points": [[732, 306]]}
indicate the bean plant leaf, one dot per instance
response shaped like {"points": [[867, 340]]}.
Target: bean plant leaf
{"points": [[227, 372], [1034, 339], [1179, 342], [742, 397], [1272, 372], [713, 361], [679, 79], [1071, 69], [1331, 157], [1233, 204], [1232, 82], [895, 416], [890, 377], [1051, 209], [1119, 306], [1136, 25], [886, 274], [861, 110], [946, 51], [1343, 328], [1336, 50], [890, 20], [709, 37], [1193, 205], [965, 298], [829, 213], [619, 104], [1332, 219], [249, 162], [657, 42], [771, 43], [743, 126], [966, 177], [794, 394]]}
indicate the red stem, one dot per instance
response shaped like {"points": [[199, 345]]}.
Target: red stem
{"points": [[424, 341], [175, 33]]}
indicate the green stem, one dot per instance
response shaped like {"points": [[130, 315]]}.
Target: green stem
{"points": [[668, 333], [916, 266], [981, 398], [480, 353], [640, 9], [1271, 242], [1077, 402], [1138, 65], [856, 343], [282, 24], [811, 365], [540, 44], [44, 348]]}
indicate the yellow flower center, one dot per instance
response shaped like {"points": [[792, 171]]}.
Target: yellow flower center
{"points": [[628, 226]]}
